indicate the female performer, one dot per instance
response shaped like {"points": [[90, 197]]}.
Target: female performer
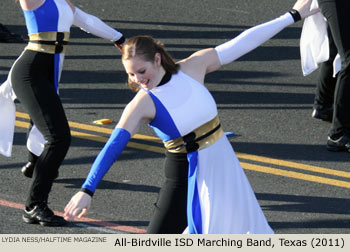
{"points": [[34, 78], [206, 189]]}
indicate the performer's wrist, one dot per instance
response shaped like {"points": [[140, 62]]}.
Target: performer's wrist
{"points": [[120, 41], [295, 15], [87, 191]]}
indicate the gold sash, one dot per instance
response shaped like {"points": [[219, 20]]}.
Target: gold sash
{"points": [[200, 138], [48, 42]]}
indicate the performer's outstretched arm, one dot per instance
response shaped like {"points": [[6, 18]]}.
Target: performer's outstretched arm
{"points": [[251, 39], [211, 59]]}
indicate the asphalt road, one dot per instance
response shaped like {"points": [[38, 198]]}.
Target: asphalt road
{"points": [[262, 97]]}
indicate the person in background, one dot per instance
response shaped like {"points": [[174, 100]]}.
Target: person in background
{"points": [[337, 14], [34, 78]]}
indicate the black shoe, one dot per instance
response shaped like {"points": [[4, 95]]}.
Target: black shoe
{"points": [[341, 144], [28, 169], [325, 114], [43, 215]]}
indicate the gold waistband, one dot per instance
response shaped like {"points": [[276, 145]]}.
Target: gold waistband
{"points": [[200, 138], [48, 42], [49, 36], [52, 49]]}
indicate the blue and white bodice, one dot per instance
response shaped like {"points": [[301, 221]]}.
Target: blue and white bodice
{"points": [[44, 23], [182, 105], [52, 15]]}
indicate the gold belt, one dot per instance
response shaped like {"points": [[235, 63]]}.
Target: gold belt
{"points": [[48, 42], [200, 138]]}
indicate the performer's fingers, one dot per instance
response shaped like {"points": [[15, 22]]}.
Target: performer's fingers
{"points": [[82, 213], [68, 206]]}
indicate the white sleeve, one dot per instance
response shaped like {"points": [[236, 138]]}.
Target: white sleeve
{"points": [[7, 118], [314, 43], [95, 26], [251, 38]]}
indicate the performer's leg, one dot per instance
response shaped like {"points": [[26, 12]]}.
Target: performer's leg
{"points": [[324, 95], [170, 210]]}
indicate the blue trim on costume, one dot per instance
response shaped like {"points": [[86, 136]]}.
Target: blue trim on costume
{"points": [[194, 216], [230, 134], [43, 19], [31, 21], [56, 70], [108, 155], [163, 120]]}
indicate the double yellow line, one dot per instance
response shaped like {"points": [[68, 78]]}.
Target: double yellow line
{"points": [[294, 174], [296, 171]]}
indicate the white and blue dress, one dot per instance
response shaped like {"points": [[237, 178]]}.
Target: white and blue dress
{"points": [[220, 198]]}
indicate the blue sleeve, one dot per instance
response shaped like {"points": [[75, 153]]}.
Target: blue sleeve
{"points": [[105, 159]]}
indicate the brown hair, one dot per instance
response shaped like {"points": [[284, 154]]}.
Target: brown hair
{"points": [[146, 48]]}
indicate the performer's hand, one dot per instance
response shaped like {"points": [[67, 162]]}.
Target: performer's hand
{"points": [[77, 206], [119, 43], [120, 47], [303, 7]]}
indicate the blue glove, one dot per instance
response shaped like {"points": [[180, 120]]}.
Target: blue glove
{"points": [[105, 159]]}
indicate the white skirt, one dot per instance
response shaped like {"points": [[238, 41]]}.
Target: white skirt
{"points": [[227, 202]]}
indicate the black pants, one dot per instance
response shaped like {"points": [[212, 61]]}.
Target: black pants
{"points": [[170, 210], [33, 82], [338, 19], [324, 95]]}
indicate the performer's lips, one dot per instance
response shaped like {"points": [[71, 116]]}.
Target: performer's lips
{"points": [[144, 83]]}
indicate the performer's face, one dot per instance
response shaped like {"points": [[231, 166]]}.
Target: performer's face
{"points": [[144, 73]]}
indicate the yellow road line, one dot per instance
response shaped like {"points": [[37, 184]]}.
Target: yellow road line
{"points": [[22, 124], [104, 139], [109, 131], [296, 175], [293, 165], [22, 115], [101, 139], [97, 129]]}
